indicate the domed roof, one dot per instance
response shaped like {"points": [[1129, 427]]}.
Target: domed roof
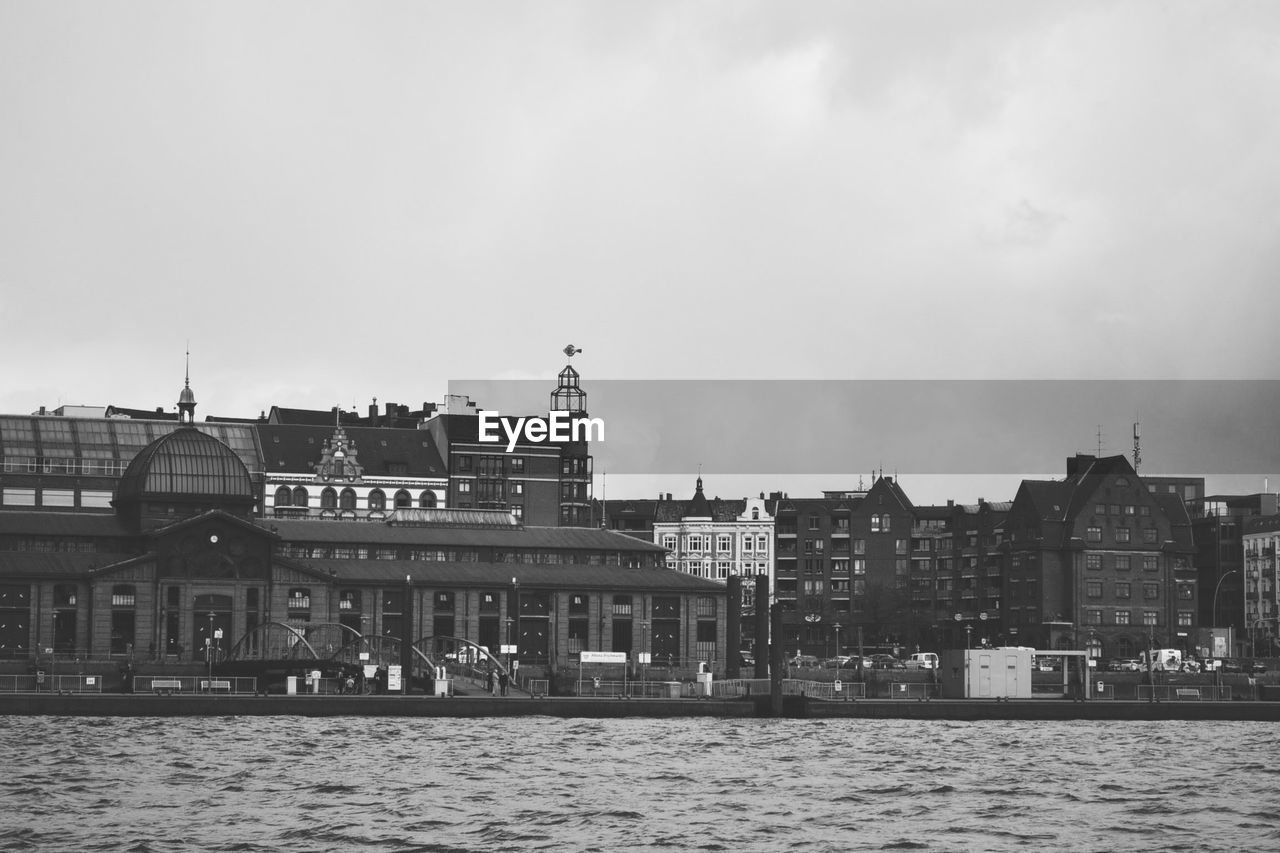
{"points": [[186, 463]]}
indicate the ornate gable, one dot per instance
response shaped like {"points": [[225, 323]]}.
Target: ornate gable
{"points": [[338, 462]]}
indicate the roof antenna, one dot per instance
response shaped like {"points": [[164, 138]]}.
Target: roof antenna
{"points": [[1099, 440], [1137, 446]]}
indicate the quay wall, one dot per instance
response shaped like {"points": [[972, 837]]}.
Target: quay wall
{"points": [[125, 705]]}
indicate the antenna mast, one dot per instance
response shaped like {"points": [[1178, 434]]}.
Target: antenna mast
{"points": [[1137, 447]]}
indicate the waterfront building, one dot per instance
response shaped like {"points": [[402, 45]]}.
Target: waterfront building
{"points": [[1218, 523], [1099, 561], [180, 559], [1262, 583]]}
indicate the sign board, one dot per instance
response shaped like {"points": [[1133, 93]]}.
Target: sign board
{"points": [[604, 657], [645, 657], [837, 686], [393, 677], [90, 681], [508, 649]]}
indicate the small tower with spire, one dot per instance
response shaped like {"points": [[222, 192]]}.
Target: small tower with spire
{"points": [[187, 399], [569, 396]]}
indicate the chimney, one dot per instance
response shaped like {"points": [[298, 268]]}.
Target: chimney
{"points": [[373, 412]]}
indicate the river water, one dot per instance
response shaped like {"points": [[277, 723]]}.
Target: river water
{"points": [[540, 783]]}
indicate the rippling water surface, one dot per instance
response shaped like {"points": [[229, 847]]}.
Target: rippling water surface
{"points": [[292, 783]]}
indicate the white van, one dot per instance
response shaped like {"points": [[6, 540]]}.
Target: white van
{"points": [[1169, 660], [923, 660]]}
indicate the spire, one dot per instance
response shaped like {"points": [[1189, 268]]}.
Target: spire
{"points": [[699, 507], [568, 396], [187, 399]]}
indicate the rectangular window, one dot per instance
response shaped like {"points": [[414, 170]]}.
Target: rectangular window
{"points": [[1184, 618], [1093, 561], [1122, 563], [1122, 617], [724, 542], [1150, 617], [1122, 589], [1093, 589], [1094, 617], [1122, 534], [1150, 563], [1093, 534], [1151, 590], [859, 546], [1149, 535]]}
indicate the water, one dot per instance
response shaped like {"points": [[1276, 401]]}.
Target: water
{"points": [[302, 784]]}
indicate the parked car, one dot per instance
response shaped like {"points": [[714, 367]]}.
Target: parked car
{"points": [[1254, 667], [805, 660], [1124, 665], [886, 662], [922, 660], [840, 662], [1231, 665]]}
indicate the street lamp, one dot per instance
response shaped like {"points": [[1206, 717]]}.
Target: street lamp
{"points": [[208, 650], [1218, 586], [835, 626], [644, 654]]}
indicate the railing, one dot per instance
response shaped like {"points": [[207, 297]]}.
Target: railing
{"points": [[169, 684], [50, 683], [1184, 693], [912, 690]]}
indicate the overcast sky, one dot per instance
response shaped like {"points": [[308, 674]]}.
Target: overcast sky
{"points": [[338, 201]]}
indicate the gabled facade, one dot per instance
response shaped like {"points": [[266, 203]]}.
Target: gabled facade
{"points": [[1098, 561]]}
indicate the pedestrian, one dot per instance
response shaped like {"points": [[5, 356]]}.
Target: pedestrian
{"points": [[491, 682], [503, 679]]}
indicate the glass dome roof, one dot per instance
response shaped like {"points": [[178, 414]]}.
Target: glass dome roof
{"points": [[186, 463]]}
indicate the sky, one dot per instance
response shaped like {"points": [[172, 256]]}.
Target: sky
{"points": [[331, 202]]}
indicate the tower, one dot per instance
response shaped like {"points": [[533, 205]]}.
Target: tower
{"points": [[187, 398]]}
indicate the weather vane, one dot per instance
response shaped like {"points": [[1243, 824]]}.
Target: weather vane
{"points": [[571, 350]]}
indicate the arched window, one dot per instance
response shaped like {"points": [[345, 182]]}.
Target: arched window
{"points": [[403, 500], [348, 499], [284, 497], [328, 499], [377, 500], [427, 500], [755, 515], [300, 497]]}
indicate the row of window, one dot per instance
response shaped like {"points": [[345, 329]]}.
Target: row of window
{"points": [[696, 543], [330, 498], [1150, 535], [64, 465], [1123, 562], [1125, 617]]}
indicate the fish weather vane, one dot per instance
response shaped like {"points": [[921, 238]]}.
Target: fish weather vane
{"points": [[571, 350]]}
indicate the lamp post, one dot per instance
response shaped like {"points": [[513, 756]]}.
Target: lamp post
{"points": [[208, 650], [1214, 615], [644, 654], [835, 626]]}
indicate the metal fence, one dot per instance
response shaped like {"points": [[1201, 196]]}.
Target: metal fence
{"points": [[1185, 693], [170, 684], [45, 683]]}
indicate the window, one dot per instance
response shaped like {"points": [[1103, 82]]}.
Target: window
{"points": [[1150, 590], [762, 544], [1093, 534], [1149, 535], [1122, 589], [517, 489], [517, 464], [123, 596], [464, 463], [1093, 561], [1122, 617], [747, 542], [724, 542], [1150, 617], [1122, 562], [1150, 563], [328, 499], [899, 546], [1099, 509], [347, 500], [814, 522], [1093, 617], [284, 497], [464, 487], [1115, 509], [1184, 618], [669, 541], [299, 598], [1122, 534], [859, 546], [377, 500], [1093, 589]]}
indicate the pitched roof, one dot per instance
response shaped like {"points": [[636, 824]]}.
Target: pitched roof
{"points": [[500, 575], [380, 533], [296, 449], [46, 523]]}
